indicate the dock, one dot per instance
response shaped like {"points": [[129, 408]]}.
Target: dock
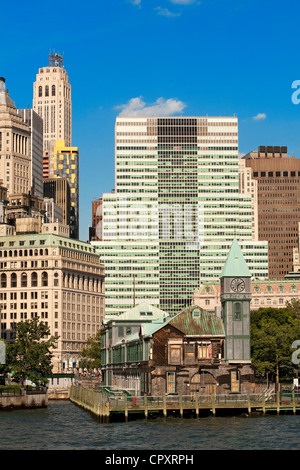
{"points": [[123, 407]]}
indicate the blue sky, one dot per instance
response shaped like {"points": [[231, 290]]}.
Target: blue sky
{"points": [[185, 57]]}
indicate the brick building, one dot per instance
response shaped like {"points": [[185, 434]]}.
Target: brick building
{"points": [[278, 204]]}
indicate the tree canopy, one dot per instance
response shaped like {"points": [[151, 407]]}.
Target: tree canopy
{"points": [[273, 332], [30, 355], [91, 354]]}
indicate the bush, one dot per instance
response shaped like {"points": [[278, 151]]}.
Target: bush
{"points": [[10, 388]]}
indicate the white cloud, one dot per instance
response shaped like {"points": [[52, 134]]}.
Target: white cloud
{"points": [[183, 2], [166, 12], [161, 107], [136, 2], [260, 117]]}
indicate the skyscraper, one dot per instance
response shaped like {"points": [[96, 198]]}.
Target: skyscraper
{"points": [[15, 159], [66, 165], [35, 124], [52, 101], [175, 210], [58, 189], [278, 200]]}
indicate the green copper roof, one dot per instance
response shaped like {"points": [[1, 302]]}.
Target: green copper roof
{"points": [[194, 321], [235, 264], [142, 312], [33, 240]]}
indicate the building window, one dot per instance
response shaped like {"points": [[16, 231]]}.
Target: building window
{"points": [[189, 352], [175, 353], [234, 381], [53, 90], [23, 280], [34, 280], [204, 350], [44, 279], [40, 91], [237, 311], [3, 280], [13, 280], [171, 383], [46, 90]]}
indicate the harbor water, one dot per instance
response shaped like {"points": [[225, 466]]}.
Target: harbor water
{"points": [[65, 426]]}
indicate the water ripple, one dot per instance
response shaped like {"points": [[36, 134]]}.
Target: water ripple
{"points": [[64, 426]]}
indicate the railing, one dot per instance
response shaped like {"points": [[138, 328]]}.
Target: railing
{"points": [[182, 401], [22, 391], [177, 401], [104, 405]]}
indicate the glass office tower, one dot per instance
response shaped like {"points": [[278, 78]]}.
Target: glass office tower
{"points": [[174, 212]]}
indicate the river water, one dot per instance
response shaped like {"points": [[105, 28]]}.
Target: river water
{"points": [[64, 426]]}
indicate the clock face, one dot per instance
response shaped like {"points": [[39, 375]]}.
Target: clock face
{"points": [[237, 285]]}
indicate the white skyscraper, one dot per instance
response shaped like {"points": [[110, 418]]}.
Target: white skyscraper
{"points": [[175, 211], [52, 101]]}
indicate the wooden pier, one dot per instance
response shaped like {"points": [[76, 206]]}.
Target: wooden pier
{"points": [[123, 407]]}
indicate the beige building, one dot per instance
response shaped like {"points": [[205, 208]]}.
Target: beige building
{"points": [[15, 159], [268, 293], [52, 101], [58, 280], [248, 185]]}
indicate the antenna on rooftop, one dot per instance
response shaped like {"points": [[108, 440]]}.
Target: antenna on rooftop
{"points": [[56, 60]]}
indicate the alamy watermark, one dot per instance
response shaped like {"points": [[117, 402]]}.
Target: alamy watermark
{"points": [[2, 352], [295, 355], [135, 221], [296, 94]]}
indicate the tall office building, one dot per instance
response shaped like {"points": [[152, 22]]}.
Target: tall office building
{"points": [[58, 189], [52, 101], [175, 211], [35, 124], [15, 159], [66, 165], [278, 201]]}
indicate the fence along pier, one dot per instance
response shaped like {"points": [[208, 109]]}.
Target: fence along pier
{"points": [[122, 406]]}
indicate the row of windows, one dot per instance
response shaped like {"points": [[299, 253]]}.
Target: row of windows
{"points": [[35, 252], [24, 280], [271, 174], [53, 91]]}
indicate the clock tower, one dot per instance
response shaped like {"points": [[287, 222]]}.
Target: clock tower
{"points": [[235, 299]]}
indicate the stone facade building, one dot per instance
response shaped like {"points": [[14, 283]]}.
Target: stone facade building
{"points": [[269, 293], [15, 158], [58, 280]]}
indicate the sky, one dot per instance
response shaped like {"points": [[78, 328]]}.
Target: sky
{"points": [[159, 57]]}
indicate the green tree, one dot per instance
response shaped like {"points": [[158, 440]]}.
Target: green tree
{"points": [[30, 355], [294, 306], [91, 354], [273, 332]]}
